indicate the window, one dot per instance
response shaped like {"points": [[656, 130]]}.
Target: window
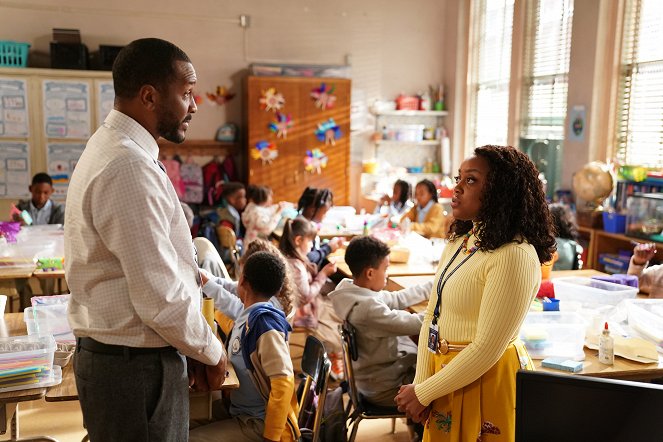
{"points": [[640, 107], [545, 87], [547, 54], [492, 25]]}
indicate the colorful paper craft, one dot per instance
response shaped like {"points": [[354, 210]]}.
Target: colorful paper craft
{"points": [[323, 96], [265, 151], [281, 125], [220, 96], [272, 100], [315, 161], [328, 132]]}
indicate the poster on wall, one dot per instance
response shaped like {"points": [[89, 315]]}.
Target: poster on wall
{"points": [[14, 169], [61, 159], [66, 109], [105, 99], [13, 108]]}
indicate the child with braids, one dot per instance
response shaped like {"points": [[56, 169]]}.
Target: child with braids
{"points": [[314, 311], [314, 205]]}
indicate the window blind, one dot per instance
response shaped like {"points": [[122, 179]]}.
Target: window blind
{"points": [[546, 67], [492, 26], [640, 107]]}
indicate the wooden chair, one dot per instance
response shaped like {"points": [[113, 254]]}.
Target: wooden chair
{"points": [[228, 241], [316, 367], [361, 408]]}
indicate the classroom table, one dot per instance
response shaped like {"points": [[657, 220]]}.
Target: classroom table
{"points": [[416, 265], [622, 368], [58, 275]]}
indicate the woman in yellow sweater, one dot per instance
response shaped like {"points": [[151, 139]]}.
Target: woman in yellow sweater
{"points": [[427, 216], [465, 385]]}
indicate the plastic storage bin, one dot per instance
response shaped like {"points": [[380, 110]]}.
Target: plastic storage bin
{"points": [[591, 292], [49, 319], [645, 316], [13, 54], [614, 222], [548, 334], [26, 362]]}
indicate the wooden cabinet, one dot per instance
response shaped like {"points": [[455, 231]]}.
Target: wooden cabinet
{"points": [[286, 174], [598, 241]]}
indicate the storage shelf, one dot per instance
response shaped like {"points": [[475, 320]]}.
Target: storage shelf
{"points": [[398, 142], [412, 113]]}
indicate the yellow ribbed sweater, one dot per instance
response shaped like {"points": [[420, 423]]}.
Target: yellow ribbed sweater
{"points": [[484, 304]]}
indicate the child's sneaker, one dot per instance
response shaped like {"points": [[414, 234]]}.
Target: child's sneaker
{"points": [[337, 369]]}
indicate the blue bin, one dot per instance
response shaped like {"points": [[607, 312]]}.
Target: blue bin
{"points": [[614, 222]]}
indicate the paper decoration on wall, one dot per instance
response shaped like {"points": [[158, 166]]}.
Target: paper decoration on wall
{"points": [[281, 125], [265, 151], [198, 99], [220, 96], [328, 132], [272, 100], [315, 161], [323, 96]]}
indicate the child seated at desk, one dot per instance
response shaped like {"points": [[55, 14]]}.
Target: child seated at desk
{"points": [[650, 278], [263, 407], [260, 217], [313, 309], [387, 356], [399, 203], [427, 217], [314, 205], [41, 208], [233, 199]]}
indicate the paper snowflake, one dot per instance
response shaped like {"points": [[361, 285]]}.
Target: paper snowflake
{"points": [[328, 132], [315, 161], [323, 96], [265, 151], [281, 125], [272, 100]]}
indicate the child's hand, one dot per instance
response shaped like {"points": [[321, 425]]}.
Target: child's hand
{"points": [[203, 278], [643, 253], [335, 243], [329, 269]]}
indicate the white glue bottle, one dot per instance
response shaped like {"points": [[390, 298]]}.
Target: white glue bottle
{"points": [[606, 347]]}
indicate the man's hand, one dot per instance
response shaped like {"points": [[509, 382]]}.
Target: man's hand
{"points": [[216, 374], [197, 377]]}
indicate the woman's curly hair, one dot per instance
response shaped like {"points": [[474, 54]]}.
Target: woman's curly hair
{"points": [[288, 292], [513, 207]]}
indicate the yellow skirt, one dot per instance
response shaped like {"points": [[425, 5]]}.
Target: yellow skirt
{"points": [[484, 410]]}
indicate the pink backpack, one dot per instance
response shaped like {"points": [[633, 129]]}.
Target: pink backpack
{"points": [[192, 177], [173, 172]]}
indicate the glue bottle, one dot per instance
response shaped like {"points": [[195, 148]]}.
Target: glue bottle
{"points": [[606, 347]]}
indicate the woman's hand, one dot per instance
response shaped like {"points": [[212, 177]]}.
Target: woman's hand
{"points": [[407, 402]]}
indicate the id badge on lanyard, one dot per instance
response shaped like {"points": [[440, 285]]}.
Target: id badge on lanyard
{"points": [[434, 329]]}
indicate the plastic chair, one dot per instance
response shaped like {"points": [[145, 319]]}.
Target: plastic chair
{"points": [[361, 408], [228, 241], [207, 252], [316, 367]]}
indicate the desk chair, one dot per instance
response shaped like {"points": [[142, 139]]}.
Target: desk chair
{"points": [[316, 367], [228, 241], [361, 408]]}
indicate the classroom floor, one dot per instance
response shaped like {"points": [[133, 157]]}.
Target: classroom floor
{"points": [[64, 422]]}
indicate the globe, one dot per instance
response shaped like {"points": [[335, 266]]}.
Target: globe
{"points": [[593, 183]]}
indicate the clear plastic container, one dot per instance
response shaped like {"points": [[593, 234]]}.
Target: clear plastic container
{"points": [[559, 334], [21, 353], [591, 292], [49, 319], [645, 316]]}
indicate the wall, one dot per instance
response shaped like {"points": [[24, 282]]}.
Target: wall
{"points": [[393, 46]]}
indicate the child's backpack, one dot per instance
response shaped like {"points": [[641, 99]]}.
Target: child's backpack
{"points": [[192, 178], [334, 417], [207, 230], [173, 172]]}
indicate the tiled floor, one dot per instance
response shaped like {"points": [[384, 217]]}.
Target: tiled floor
{"points": [[64, 421]]}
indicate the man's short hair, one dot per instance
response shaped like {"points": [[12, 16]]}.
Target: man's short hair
{"points": [[364, 252], [42, 178], [264, 272], [145, 61]]}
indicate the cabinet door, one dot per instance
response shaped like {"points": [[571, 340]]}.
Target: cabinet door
{"points": [[286, 175]]}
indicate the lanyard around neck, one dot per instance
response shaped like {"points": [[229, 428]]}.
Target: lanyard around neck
{"points": [[443, 281]]}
